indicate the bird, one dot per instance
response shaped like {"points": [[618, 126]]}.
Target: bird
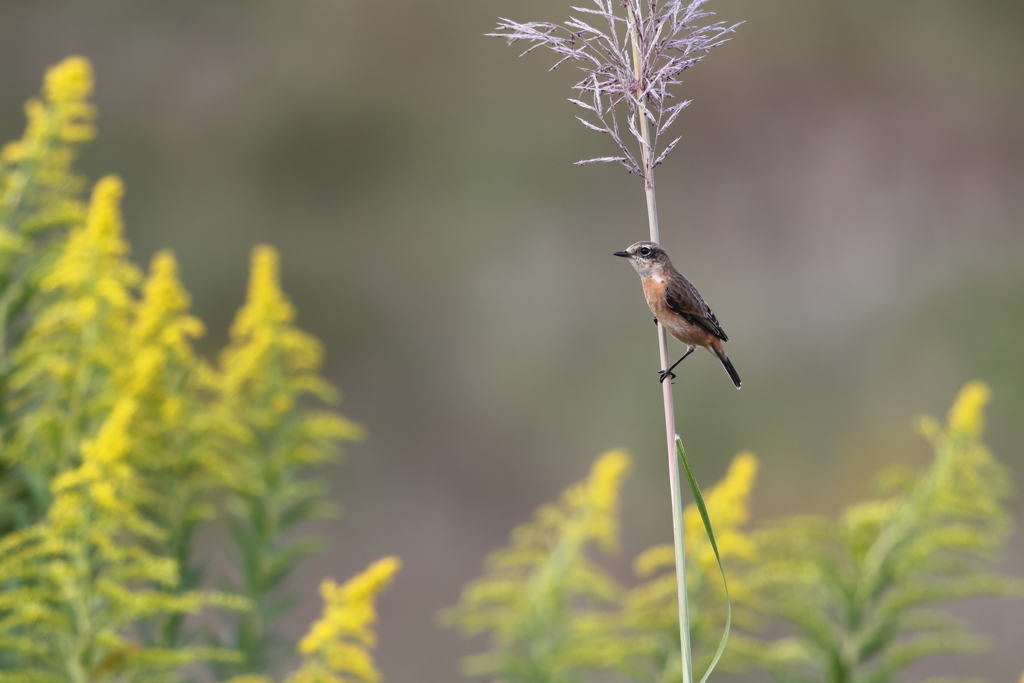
{"points": [[678, 306]]}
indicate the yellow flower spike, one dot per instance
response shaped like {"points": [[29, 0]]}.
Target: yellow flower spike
{"points": [[337, 645], [145, 369], [728, 507], [265, 302], [262, 334], [113, 441], [104, 220], [67, 87], [107, 409], [105, 495], [64, 118], [93, 253], [161, 325], [68, 81], [966, 416], [602, 492]]}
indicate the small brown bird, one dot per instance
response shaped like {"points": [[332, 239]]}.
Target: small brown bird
{"points": [[678, 305]]}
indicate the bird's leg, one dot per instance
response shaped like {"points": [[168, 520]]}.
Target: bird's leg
{"points": [[668, 373]]}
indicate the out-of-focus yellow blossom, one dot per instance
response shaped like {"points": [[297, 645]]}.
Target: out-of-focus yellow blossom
{"points": [[269, 365], [337, 647], [159, 340], [587, 512], [263, 332], [92, 258], [163, 295], [86, 557], [967, 414], [104, 481], [37, 187], [965, 419], [161, 318], [265, 303], [602, 492], [70, 81], [728, 506], [76, 343], [106, 401], [651, 608]]}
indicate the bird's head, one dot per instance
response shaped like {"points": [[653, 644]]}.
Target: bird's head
{"points": [[646, 257]]}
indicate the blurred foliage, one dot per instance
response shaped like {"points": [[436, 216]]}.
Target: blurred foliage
{"points": [[337, 647], [545, 603], [651, 607], [119, 441], [859, 593]]}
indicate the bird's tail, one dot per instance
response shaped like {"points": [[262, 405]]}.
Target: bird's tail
{"points": [[728, 367]]}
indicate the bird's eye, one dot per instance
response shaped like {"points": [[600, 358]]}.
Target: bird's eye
{"points": [[645, 251]]}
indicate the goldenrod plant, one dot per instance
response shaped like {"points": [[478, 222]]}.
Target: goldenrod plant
{"points": [[103, 401], [861, 594], [861, 591], [549, 610], [180, 440], [650, 608], [91, 567], [554, 615], [40, 197], [267, 372]]}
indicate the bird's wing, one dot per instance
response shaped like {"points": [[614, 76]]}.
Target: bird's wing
{"points": [[683, 298]]}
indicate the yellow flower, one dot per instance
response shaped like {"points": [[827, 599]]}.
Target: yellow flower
{"points": [[265, 303], [337, 645], [64, 118], [113, 441], [728, 507], [602, 492], [93, 253], [67, 87], [164, 299], [263, 334], [966, 416], [68, 81]]}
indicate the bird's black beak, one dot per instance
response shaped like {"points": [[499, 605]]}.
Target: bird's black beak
{"points": [[623, 254]]}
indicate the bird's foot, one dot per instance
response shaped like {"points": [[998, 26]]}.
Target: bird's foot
{"points": [[665, 374]]}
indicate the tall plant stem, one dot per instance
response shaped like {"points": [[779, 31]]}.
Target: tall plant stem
{"points": [[666, 387]]}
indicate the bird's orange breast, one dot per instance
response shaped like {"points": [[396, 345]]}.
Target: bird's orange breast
{"points": [[677, 325]]}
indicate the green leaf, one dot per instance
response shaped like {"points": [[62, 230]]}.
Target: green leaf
{"points": [[699, 500]]}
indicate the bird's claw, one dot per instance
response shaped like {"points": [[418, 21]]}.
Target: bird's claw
{"points": [[665, 374]]}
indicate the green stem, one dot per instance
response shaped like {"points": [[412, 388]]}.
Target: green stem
{"points": [[666, 387]]}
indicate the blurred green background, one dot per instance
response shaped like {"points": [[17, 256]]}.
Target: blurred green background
{"points": [[849, 196]]}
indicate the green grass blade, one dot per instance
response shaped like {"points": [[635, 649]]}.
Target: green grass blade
{"points": [[699, 500]]}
